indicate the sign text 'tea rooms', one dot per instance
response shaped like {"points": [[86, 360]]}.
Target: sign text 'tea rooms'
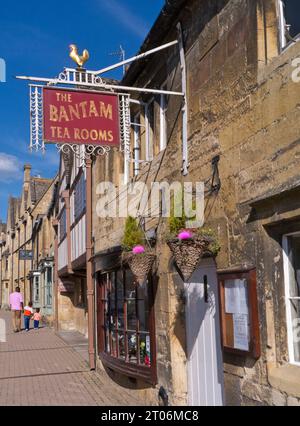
{"points": [[80, 117]]}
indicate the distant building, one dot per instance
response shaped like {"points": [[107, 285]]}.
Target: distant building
{"points": [[27, 252]]}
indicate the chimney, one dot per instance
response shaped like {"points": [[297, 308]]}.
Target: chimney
{"points": [[27, 170]]}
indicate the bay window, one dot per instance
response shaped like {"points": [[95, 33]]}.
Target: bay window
{"points": [[291, 254], [126, 324]]}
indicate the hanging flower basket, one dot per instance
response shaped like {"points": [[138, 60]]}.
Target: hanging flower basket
{"points": [[140, 263], [188, 249]]}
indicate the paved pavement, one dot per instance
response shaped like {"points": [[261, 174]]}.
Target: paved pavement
{"points": [[39, 368]]}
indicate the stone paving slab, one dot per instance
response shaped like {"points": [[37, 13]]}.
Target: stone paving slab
{"points": [[39, 368]]}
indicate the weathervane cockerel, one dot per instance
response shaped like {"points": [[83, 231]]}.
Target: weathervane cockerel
{"points": [[79, 59]]}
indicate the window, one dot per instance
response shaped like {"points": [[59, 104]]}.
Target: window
{"points": [[36, 289], [80, 197], [81, 293], [291, 255], [63, 225], [289, 23], [48, 286], [125, 322]]}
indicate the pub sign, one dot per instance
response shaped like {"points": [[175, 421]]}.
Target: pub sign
{"points": [[80, 117]]}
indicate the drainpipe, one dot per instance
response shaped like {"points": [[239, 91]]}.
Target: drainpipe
{"points": [[185, 149], [25, 247], [18, 258], [55, 286], [12, 263], [89, 270], [1, 284]]}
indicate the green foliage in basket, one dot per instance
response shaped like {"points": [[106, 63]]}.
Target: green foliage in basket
{"points": [[133, 234]]}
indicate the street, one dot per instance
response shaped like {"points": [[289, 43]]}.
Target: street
{"points": [[39, 368]]}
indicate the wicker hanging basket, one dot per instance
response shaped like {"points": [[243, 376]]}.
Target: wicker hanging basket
{"points": [[188, 253], [139, 264]]}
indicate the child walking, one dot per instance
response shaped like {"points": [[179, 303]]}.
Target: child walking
{"points": [[37, 318], [28, 312]]}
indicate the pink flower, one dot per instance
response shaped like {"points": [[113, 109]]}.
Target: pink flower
{"points": [[184, 235], [138, 250]]}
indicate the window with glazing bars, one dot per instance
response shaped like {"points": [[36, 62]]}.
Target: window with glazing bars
{"points": [[63, 225], [80, 197], [126, 318]]}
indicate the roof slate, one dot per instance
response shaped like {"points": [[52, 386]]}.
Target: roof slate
{"points": [[38, 187]]}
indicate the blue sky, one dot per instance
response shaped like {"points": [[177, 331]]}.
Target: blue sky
{"points": [[34, 40]]}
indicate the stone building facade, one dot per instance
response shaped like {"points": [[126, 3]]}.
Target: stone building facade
{"points": [[243, 108], [70, 236], [27, 240]]}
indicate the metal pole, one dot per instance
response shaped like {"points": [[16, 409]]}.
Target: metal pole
{"points": [[101, 85], [55, 289], [135, 58], [89, 269], [1, 284], [185, 149]]}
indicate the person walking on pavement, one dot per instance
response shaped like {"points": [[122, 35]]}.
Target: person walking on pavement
{"points": [[28, 313], [16, 306]]}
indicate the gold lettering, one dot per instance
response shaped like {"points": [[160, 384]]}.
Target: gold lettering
{"points": [[102, 135], [83, 108], [93, 109], [53, 113], [110, 136], [84, 134], [74, 111], [53, 129], [59, 132], [63, 114], [63, 97], [106, 111], [94, 135], [66, 133], [77, 134]]}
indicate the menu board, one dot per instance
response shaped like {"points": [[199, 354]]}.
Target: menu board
{"points": [[236, 304], [239, 312]]}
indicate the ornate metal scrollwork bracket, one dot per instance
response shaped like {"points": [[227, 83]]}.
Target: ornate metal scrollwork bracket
{"points": [[82, 152]]}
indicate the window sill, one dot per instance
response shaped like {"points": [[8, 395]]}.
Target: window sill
{"points": [[131, 370], [286, 379]]}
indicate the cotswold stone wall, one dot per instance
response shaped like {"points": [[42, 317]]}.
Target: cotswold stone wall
{"points": [[243, 106]]}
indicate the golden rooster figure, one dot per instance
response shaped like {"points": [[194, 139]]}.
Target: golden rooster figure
{"points": [[79, 59]]}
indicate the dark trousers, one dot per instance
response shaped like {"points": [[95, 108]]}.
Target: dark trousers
{"points": [[36, 323], [26, 322]]}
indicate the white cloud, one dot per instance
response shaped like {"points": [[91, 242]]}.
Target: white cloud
{"points": [[10, 168], [129, 20]]}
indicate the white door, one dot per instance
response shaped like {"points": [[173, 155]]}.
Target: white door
{"points": [[204, 352]]}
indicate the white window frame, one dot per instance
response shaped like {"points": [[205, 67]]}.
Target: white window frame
{"points": [[284, 42], [282, 25], [163, 122], [136, 143], [149, 143], [37, 284], [288, 298]]}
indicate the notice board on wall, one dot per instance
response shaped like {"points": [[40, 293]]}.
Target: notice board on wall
{"points": [[239, 313]]}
